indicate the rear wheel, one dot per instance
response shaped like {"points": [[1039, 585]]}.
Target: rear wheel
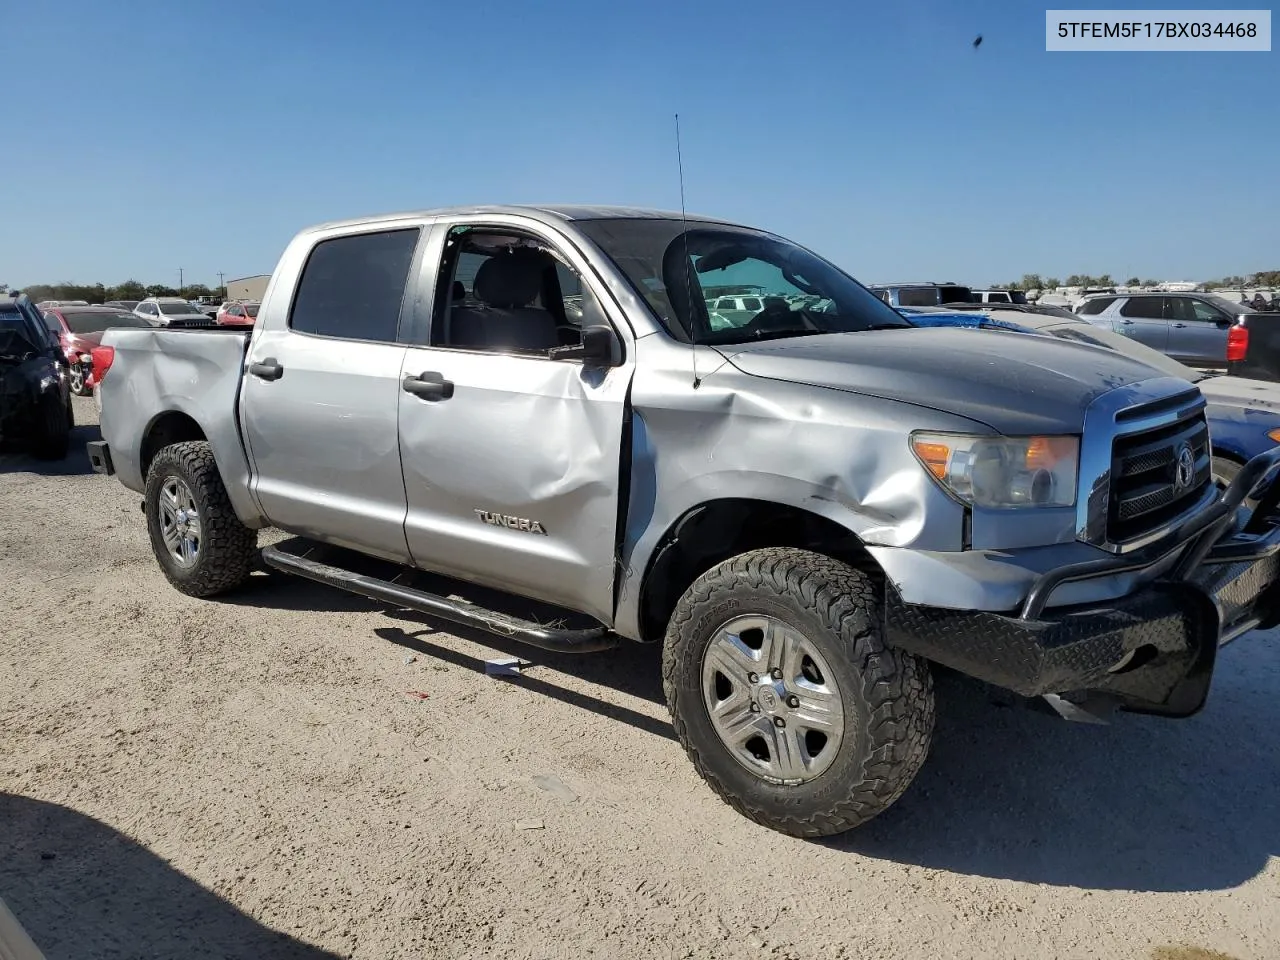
{"points": [[52, 430], [77, 377], [787, 699], [199, 542]]}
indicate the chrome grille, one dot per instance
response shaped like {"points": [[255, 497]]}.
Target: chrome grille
{"points": [[1146, 492]]}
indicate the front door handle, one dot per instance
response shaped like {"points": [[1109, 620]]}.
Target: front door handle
{"points": [[1127, 323], [1179, 325], [267, 369], [429, 386]]}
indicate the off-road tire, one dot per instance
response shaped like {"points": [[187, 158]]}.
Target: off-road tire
{"points": [[52, 431], [887, 694], [227, 547]]}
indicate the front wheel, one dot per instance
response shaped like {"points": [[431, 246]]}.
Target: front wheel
{"points": [[1225, 471], [786, 697], [200, 543]]}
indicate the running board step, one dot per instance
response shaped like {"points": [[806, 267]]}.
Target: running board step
{"points": [[556, 639]]}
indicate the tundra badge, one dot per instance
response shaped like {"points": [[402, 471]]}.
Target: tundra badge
{"points": [[511, 523]]}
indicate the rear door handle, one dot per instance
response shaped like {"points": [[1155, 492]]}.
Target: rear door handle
{"points": [[1127, 323], [429, 386], [268, 369], [1179, 325]]}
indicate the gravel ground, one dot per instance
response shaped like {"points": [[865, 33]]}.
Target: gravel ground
{"points": [[251, 778]]}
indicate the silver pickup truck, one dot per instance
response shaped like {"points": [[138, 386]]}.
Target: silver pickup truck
{"points": [[808, 507]]}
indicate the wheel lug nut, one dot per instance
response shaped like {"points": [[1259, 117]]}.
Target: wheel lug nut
{"points": [[775, 673], [779, 722], [753, 678], [755, 708], [793, 702]]}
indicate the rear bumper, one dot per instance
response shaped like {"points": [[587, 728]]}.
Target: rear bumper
{"points": [[1153, 650]]}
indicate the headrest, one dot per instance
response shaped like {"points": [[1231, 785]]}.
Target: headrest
{"points": [[459, 292], [510, 279]]}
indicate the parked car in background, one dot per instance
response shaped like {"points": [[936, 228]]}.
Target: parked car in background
{"points": [[1244, 414], [237, 314], [1253, 344], [35, 396], [1192, 327], [163, 311], [46, 304], [79, 330], [999, 296], [207, 306], [123, 304], [921, 294]]}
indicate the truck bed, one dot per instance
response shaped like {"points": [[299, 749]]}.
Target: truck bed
{"points": [[192, 372]]}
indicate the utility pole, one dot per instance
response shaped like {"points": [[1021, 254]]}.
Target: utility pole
{"points": [[180, 283], [221, 282]]}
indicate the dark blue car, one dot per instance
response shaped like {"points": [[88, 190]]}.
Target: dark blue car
{"points": [[1244, 415]]}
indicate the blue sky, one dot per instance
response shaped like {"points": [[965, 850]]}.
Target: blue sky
{"points": [[148, 136]]}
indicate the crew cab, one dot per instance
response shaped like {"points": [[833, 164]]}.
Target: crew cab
{"points": [[807, 510]]}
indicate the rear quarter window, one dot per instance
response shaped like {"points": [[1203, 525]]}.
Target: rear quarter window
{"points": [[1093, 307]]}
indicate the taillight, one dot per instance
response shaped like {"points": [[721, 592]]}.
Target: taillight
{"points": [[102, 359], [1237, 343]]}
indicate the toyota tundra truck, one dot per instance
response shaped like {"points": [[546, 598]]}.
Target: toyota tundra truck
{"points": [[810, 508]]}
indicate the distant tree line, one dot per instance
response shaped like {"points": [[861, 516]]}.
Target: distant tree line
{"points": [[1033, 281], [129, 290]]}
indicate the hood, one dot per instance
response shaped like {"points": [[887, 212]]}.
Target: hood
{"points": [[1014, 383]]}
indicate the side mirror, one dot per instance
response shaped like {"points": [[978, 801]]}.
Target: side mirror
{"points": [[599, 348]]}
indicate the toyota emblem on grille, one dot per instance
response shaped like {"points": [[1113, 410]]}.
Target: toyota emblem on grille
{"points": [[1184, 468]]}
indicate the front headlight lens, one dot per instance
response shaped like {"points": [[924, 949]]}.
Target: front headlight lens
{"points": [[1002, 471]]}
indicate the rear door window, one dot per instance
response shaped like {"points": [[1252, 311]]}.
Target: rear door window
{"points": [[352, 287], [1143, 308]]}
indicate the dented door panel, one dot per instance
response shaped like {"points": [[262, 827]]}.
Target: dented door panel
{"points": [[512, 482]]}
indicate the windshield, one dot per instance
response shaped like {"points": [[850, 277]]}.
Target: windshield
{"points": [[86, 321], [177, 309], [15, 334], [779, 289], [1087, 333]]}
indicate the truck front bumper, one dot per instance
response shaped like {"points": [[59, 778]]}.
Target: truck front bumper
{"points": [[1153, 650]]}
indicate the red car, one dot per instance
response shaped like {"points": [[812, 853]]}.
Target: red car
{"points": [[238, 315], [79, 330]]}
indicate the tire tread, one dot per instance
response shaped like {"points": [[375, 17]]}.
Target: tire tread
{"points": [[896, 688]]}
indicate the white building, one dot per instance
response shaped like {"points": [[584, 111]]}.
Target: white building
{"points": [[248, 288]]}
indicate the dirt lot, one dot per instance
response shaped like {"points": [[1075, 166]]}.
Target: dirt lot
{"points": [[249, 778]]}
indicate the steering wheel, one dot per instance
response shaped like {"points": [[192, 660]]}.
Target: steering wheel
{"points": [[776, 315]]}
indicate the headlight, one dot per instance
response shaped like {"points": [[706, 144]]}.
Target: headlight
{"points": [[47, 382], [1275, 435], [1002, 471]]}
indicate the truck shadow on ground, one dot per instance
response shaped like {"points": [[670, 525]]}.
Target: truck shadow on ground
{"points": [[82, 889], [1145, 804], [14, 459], [1007, 792], [633, 669]]}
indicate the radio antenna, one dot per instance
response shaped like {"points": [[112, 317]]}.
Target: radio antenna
{"points": [[688, 277]]}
